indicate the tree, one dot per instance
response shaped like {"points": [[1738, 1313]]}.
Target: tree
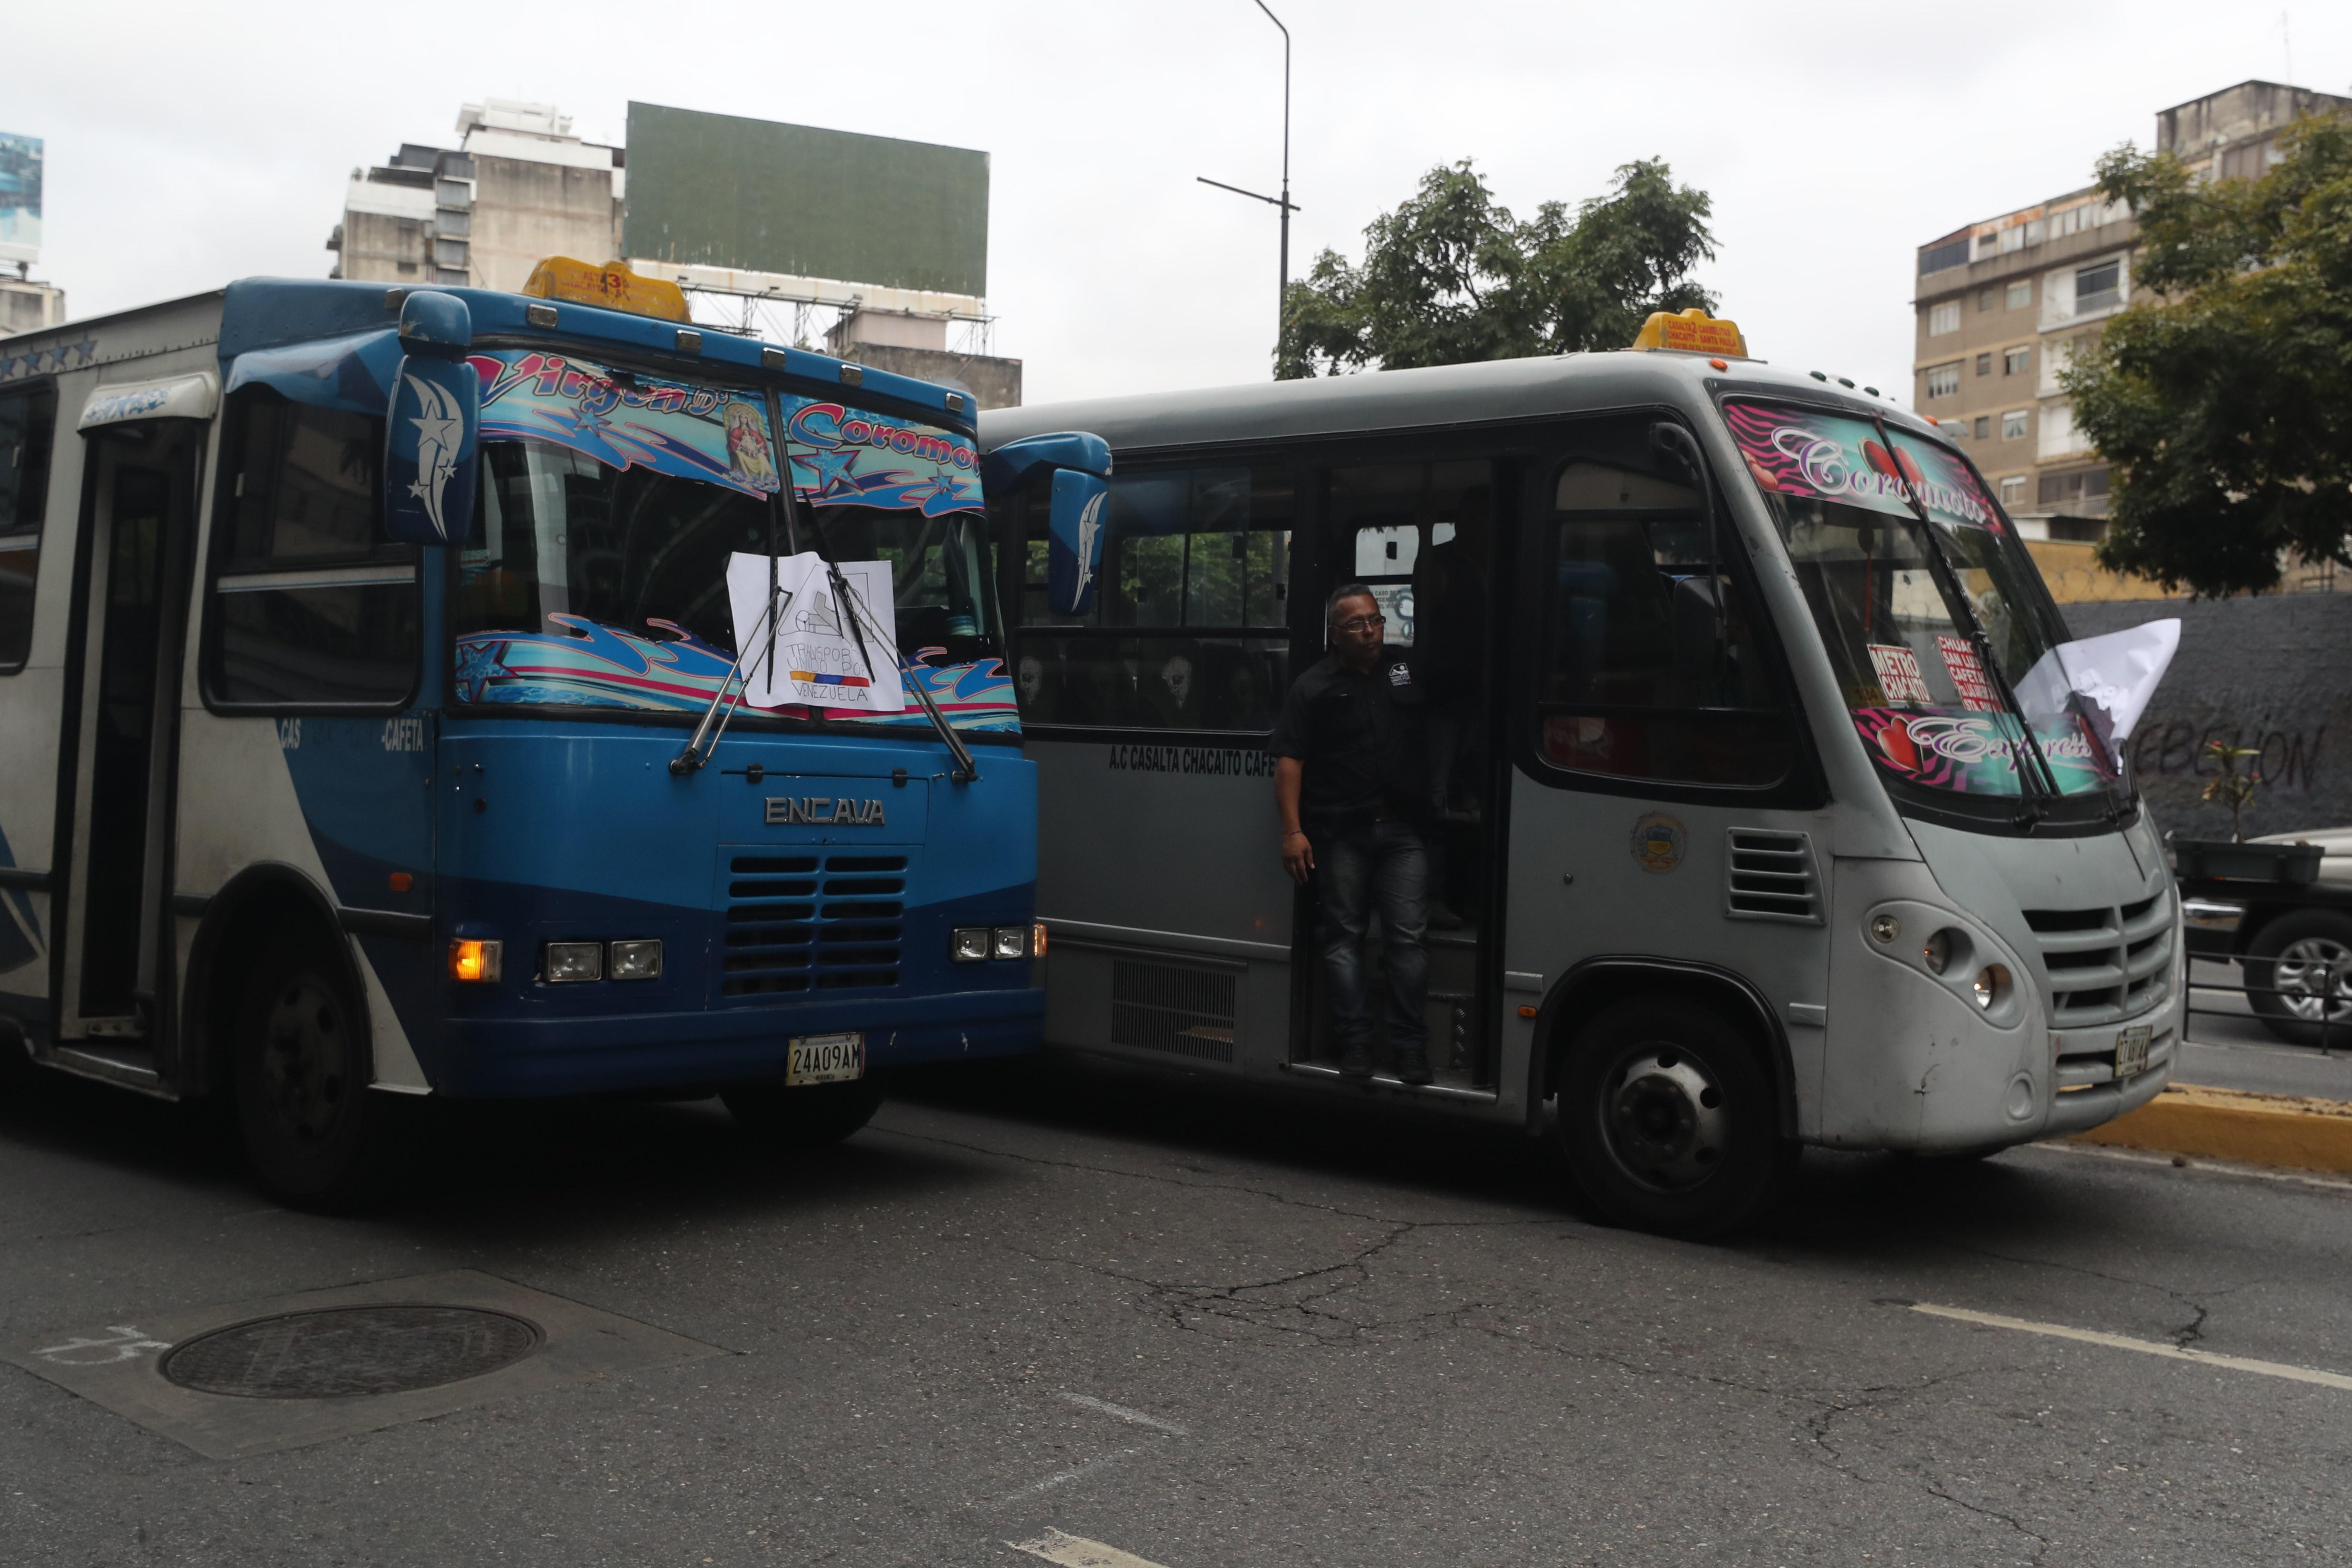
{"points": [[1450, 276], [2224, 404]]}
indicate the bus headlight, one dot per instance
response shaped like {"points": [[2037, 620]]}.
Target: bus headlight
{"points": [[569, 962], [1936, 953], [968, 944], [638, 960], [1991, 986], [1011, 941]]}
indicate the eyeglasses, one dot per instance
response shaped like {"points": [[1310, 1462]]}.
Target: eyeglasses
{"points": [[1360, 624]]}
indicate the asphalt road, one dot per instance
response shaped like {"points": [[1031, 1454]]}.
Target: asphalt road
{"points": [[1213, 1334]]}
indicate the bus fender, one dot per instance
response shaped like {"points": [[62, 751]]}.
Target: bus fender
{"points": [[1594, 983], [266, 893]]}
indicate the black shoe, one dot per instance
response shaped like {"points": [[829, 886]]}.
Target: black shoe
{"points": [[1356, 1062], [1413, 1066]]}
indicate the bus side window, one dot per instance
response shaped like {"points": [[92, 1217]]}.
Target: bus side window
{"points": [[309, 606], [27, 425], [1188, 627], [1634, 681]]}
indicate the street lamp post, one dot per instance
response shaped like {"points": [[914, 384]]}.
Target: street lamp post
{"points": [[1282, 292]]}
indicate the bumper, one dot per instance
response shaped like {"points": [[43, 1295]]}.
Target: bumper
{"points": [[522, 1057], [2084, 1108]]}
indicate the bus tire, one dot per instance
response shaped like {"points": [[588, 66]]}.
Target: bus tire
{"points": [[2308, 954], [313, 1132], [1667, 1119], [814, 1116]]}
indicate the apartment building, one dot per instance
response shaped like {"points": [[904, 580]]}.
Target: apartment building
{"points": [[2003, 304], [520, 187]]}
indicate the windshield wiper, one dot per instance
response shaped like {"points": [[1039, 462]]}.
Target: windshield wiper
{"points": [[2040, 780], [966, 769], [696, 754]]}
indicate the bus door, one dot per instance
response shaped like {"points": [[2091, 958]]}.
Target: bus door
{"points": [[1666, 813], [1420, 536], [137, 529]]}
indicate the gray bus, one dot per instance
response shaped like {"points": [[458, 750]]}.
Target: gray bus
{"points": [[1770, 812]]}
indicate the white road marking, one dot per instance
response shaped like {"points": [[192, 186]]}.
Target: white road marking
{"points": [[1076, 1551], [127, 1344], [2145, 1347], [1122, 1413], [1063, 1477], [2211, 1167]]}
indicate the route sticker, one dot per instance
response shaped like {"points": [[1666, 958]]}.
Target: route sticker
{"points": [[1659, 841], [1898, 674], [1968, 673]]}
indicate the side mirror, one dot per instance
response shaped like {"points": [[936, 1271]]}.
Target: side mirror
{"points": [[432, 430], [1074, 549], [1080, 465]]}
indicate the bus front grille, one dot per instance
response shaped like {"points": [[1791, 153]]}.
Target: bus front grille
{"points": [[2105, 965], [797, 923], [1174, 1008]]}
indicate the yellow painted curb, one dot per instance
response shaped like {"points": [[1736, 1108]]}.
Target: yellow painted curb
{"points": [[2283, 1129]]}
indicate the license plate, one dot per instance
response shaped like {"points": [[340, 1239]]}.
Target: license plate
{"points": [[826, 1058], [2131, 1050]]}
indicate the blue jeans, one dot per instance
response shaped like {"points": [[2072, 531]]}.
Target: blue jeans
{"points": [[1381, 866]]}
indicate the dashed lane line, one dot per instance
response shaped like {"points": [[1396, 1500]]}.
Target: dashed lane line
{"points": [[2144, 1347], [1064, 1478], [1077, 1551]]}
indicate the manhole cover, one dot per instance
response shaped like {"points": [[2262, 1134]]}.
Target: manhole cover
{"points": [[350, 1350]]}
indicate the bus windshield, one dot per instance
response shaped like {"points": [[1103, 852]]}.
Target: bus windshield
{"points": [[596, 572], [1915, 580]]}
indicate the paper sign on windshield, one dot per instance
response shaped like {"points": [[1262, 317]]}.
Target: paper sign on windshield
{"points": [[813, 657], [716, 434]]}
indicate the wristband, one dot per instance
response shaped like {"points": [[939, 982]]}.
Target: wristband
{"points": [[1288, 832]]}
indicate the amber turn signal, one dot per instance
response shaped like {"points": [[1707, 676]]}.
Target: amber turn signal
{"points": [[1038, 939], [477, 961], [402, 882], [1527, 1011]]}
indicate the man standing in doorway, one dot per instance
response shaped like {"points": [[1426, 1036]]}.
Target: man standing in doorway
{"points": [[1351, 781]]}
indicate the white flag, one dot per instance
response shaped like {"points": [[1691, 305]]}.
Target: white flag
{"points": [[2115, 675]]}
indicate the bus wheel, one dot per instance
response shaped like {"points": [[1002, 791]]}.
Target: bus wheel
{"points": [[2298, 972], [815, 1116], [1667, 1120], [312, 1131]]}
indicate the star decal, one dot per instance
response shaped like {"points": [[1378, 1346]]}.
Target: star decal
{"points": [[831, 465], [33, 361], [87, 348], [7, 367], [479, 668]]}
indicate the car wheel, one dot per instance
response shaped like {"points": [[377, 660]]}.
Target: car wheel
{"points": [[815, 1116], [1667, 1121], [312, 1127], [2298, 972]]}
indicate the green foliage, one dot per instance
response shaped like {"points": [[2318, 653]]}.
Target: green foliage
{"points": [[2225, 404], [1450, 276]]}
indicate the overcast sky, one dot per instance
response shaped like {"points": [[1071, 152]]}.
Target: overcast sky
{"points": [[189, 144]]}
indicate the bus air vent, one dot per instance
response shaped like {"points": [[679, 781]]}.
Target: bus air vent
{"points": [[2105, 965], [1178, 1008], [797, 923], [1769, 876]]}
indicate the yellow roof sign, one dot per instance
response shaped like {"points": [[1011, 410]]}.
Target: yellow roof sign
{"points": [[612, 286], [1692, 331]]}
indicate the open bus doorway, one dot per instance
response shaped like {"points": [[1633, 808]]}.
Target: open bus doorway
{"points": [[1420, 536]]}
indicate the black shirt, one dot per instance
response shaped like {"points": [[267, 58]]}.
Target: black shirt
{"points": [[1364, 739]]}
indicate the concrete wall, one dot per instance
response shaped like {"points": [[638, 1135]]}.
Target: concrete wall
{"points": [[382, 248], [993, 383], [527, 212], [2274, 672]]}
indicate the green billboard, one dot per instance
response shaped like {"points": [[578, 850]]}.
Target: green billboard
{"points": [[717, 190]]}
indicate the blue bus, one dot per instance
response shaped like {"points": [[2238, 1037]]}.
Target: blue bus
{"points": [[372, 722]]}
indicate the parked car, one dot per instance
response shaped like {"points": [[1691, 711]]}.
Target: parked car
{"points": [[2292, 942]]}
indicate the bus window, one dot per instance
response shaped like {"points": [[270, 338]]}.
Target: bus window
{"points": [[1389, 519], [1634, 681], [1187, 630], [27, 425], [310, 606]]}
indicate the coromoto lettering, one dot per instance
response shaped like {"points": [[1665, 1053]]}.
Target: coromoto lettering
{"points": [[831, 426], [840, 812]]}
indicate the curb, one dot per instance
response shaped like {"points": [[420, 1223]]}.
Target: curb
{"points": [[2281, 1130]]}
